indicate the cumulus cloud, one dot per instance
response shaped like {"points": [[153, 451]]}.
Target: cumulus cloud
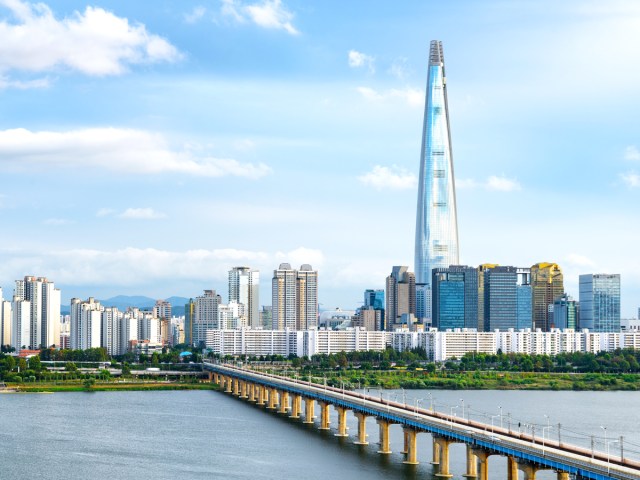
{"points": [[115, 149], [394, 178], [413, 97], [141, 214], [493, 182], [632, 153], [23, 84], [631, 179], [94, 42], [502, 184], [195, 15], [270, 14], [142, 266], [359, 60], [399, 68]]}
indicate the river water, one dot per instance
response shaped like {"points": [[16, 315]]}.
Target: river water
{"points": [[210, 435]]}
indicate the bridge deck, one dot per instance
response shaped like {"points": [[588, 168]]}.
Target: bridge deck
{"points": [[551, 455]]}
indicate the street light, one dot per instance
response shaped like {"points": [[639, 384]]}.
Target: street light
{"points": [[451, 414], [492, 417], [500, 408], [462, 401], [430, 401], [548, 427], [608, 457]]}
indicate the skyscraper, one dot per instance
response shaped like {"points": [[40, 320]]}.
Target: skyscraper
{"points": [[244, 288], [436, 220], [600, 302], [294, 297], [547, 286], [401, 295], [44, 322], [455, 297]]}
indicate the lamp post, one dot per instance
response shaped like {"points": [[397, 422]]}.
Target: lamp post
{"points": [[451, 414], [430, 401], [462, 402], [500, 408], [492, 417]]}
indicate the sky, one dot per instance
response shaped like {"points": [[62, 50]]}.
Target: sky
{"points": [[147, 147]]}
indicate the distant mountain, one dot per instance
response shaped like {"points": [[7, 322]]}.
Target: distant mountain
{"points": [[122, 302]]}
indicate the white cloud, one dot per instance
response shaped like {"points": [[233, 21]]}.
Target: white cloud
{"points": [[399, 69], [395, 178], [195, 15], [631, 179], [493, 182], [577, 260], [632, 153], [268, 14], [141, 214], [143, 266], [105, 212], [412, 96], [94, 42], [56, 222], [502, 184], [359, 60], [23, 84], [114, 149]]}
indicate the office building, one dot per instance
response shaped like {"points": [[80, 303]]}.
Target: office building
{"points": [[244, 288], [374, 299], [524, 299], [600, 302], [565, 313], [547, 285], [436, 242], [400, 296], [454, 298]]}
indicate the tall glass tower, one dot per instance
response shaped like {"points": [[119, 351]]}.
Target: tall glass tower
{"points": [[436, 220]]}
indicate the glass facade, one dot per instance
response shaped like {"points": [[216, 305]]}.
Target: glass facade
{"points": [[436, 220], [600, 302], [500, 298], [547, 286], [454, 297]]}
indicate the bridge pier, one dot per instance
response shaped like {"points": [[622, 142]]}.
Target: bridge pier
{"points": [[472, 464], [260, 395], [342, 422], [273, 395], [512, 469], [412, 447], [385, 443], [211, 376], [235, 382], [435, 459], [227, 382], [244, 387], [324, 416], [529, 470], [296, 402], [483, 463], [309, 405], [252, 392], [563, 475], [362, 429], [284, 402], [443, 443]]}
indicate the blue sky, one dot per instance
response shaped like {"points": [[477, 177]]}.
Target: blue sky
{"points": [[147, 147]]}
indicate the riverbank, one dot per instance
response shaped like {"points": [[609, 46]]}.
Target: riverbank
{"points": [[478, 380], [107, 387]]}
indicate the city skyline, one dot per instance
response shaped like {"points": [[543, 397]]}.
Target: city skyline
{"points": [[205, 135]]}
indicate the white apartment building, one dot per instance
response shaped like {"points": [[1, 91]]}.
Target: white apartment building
{"points": [[44, 316]]}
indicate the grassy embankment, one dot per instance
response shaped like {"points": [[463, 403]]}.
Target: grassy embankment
{"points": [[79, 386], [477, 380]]}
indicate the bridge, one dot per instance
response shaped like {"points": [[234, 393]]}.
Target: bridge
{"points": [[524, 452]]}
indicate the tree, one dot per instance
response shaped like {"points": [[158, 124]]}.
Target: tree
{"points": [[10, 363], [34, 364], [70, 367]]}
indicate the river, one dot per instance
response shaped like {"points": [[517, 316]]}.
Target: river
{"points": [[210, 435]]}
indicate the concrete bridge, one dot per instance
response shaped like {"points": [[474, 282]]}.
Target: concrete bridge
{"points": [[524, 452]]}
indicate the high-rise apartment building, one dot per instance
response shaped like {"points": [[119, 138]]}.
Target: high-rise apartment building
{"points": [[600, 302], [5, 320], [436, 244], [244, 288], [189, 317], [306, 298], [206, 315], [20, 323], [162, 309], [454, 298], [86, 324], [44, 321], [294, 298], [547, 285], [400, 295]]}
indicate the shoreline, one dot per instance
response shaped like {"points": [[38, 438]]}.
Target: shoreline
{"points": [[124, 387]]}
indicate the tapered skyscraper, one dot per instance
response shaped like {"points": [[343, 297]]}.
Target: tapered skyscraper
{"points": [[436, 220]]}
